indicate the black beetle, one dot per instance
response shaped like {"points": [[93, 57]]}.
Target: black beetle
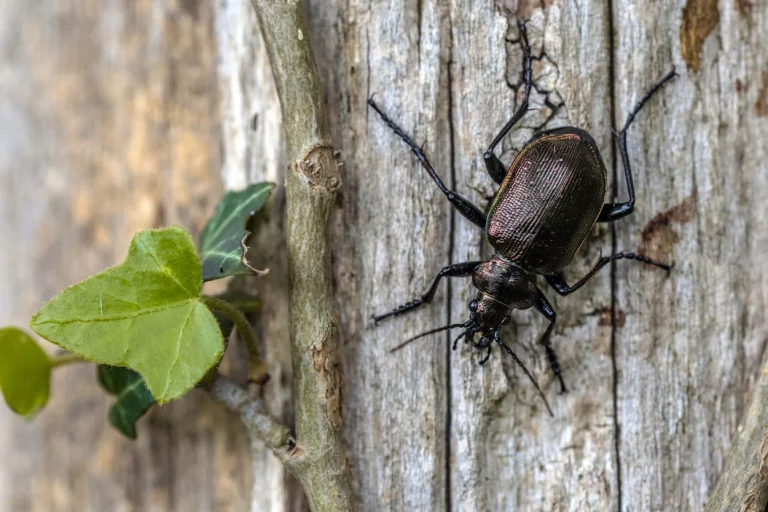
{"points": [[546, 205]]}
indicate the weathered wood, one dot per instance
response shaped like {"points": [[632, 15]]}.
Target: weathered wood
{"points": [[691, 346], [392, 236], [426, 428], [503, 452]]}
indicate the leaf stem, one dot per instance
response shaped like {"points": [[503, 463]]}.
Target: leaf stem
{"points": [[258, 371], [66, 359]]}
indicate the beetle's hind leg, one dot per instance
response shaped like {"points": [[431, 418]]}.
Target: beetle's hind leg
{"points": [[466, 208], [495, 167], [545, 308], [614, 211]]}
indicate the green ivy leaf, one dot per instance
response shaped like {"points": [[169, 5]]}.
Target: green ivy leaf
{"points": [[145, 314], [222, 242], [25, 371], [133, 397]]}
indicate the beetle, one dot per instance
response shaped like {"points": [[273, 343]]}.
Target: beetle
{"points": [[547, 203]]}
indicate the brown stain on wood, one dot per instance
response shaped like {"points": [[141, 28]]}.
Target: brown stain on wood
{"points": [[743, 6], [604, 317], [658, 237], [700, 17], [761, 105]]}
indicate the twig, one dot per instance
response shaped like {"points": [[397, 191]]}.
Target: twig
{"points": [[311, 184], [743, 485], [276, 436]]}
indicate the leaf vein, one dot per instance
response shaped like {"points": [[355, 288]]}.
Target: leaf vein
{"points": [[162, 268], [241, 205], [130, 388], [125, 316], [225, 255], [178, 350]]}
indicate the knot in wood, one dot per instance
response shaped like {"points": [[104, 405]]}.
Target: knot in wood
{"points": [[320, 166]]}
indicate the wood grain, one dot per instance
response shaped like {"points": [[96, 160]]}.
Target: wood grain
{"points": [[393, 227], [691, 347]]}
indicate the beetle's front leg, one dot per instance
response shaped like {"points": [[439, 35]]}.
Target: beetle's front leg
{"points": [[457, 270], [545, 308], [465, 207], [487, 356]]}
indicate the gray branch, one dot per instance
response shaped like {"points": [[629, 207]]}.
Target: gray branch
{"points": [[276, 436], [313, 178]]}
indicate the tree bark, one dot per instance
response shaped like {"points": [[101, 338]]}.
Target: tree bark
{"points": [[104, 132]]}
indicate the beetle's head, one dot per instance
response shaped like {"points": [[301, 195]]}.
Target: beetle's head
{"points": [[487, 314]]}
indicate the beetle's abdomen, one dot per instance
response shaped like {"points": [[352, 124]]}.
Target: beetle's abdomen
{"points": [[548, 202]]}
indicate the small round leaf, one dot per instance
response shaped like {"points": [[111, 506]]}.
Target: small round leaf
{"points": [[25, 371]]}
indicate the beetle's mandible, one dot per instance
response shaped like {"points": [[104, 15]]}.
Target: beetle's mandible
{"points": [[547, 202]]}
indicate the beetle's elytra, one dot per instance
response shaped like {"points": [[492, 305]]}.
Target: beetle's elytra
{"points": [[547, 202]]}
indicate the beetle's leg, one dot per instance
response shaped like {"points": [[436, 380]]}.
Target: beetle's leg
{"points": [[464, 207], [487, 356], [522, 366], [456, 341], [496, 169], [557, 281], [459, 269], [545, 308], [614, 211]]}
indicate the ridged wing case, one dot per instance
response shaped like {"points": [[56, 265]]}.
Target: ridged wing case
{"points": [[549, 201]]}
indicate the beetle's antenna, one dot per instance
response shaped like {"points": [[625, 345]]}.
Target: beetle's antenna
{"points": [[521, 365], [444, 328]]}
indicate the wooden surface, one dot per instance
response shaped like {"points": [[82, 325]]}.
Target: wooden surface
{"points": [[139, 122], [692, 345]]}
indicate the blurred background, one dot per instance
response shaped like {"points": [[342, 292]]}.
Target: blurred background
{"points": [[110, 123]]}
